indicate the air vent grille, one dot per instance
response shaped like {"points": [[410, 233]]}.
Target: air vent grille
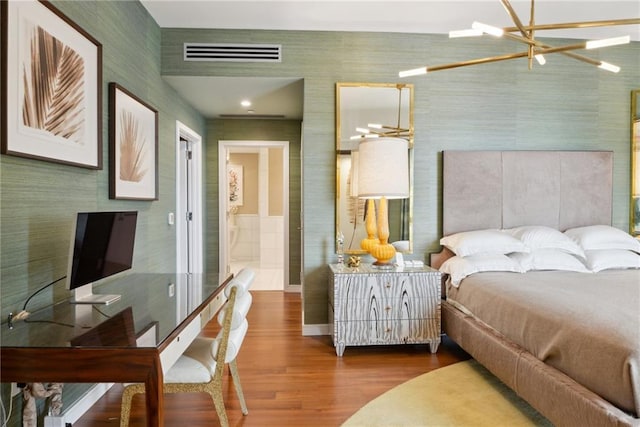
{"points": [[224, 52]]}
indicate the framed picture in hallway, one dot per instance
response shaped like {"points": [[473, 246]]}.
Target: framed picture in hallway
{"points": [[133, 146], [52, 86], [234, 177]]}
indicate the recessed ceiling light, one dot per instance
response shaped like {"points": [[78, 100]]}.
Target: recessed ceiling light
{"points": [[245, 103]]}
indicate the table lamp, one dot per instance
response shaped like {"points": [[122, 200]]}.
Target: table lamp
{"points": [[383, 173]]}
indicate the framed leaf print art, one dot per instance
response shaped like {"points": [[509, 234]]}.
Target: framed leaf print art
{"points": [[133, 146], [51, 86]]}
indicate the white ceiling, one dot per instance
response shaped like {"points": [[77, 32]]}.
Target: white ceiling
{"points": [[417, 16]]}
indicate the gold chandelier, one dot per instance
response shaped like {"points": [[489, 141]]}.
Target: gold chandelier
{"points": [[379, 130], [535, 48]]}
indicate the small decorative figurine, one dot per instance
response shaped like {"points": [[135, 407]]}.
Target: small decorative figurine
{"points": [[354, 261]]}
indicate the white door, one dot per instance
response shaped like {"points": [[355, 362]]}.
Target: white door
{"points": [[188, 217]]}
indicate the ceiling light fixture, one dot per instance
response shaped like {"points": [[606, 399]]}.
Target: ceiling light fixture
{"points": [[465, 33], [488, 29], [535, 48], [378, 130], [614, 41], [413, 72]]}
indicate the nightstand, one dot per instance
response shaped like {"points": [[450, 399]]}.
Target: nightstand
{"points": [[371, 306]]}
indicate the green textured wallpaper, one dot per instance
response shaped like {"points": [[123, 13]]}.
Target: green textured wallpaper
{"points": [[563, 105], [38, 199]]}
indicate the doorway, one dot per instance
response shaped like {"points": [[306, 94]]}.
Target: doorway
{"points": [[254, 210], [188, 217]]}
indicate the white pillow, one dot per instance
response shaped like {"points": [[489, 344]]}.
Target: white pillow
{"points": [[549, 259], [542, 237], [482, 242], [598, 260], [594, 237], [460, 267]]}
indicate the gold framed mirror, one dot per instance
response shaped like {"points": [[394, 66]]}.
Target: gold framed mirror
{"points": [[359, 105], [634, 223]]}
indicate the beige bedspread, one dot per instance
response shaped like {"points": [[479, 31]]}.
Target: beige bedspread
{"points": [[585, 325]]}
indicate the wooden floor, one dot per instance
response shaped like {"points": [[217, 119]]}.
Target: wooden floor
{"points": [[289, 379]]}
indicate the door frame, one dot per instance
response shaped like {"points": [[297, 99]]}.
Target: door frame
{"points": [[223, 146], [196, 241]]}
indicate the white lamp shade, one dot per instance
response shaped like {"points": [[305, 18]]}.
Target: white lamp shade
{"points": [[353, 188], [383, 168]]}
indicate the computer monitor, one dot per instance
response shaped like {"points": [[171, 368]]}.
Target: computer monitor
{"points": [[101, 246]]}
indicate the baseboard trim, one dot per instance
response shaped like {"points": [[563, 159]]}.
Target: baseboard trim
{"points": [[293, 288], [315, 330], [78, 409]]}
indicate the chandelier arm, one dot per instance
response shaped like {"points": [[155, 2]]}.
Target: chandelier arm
{"points": [[531, 35], [433, 68], [521, 39], [573, 25], [560, 49], [507, 57], [545, 48], [582, 58], [514, 17], [397, 134], [382, 126], [531, 20], [565, 50], [476, 61]]}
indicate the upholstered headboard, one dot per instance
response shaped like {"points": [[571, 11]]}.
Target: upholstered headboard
{"points": [[504, 189]]}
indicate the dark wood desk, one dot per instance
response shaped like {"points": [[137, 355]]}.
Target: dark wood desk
{"points": [[166, 317]]}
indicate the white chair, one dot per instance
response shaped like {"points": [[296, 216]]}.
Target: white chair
{"points": [[197, 370]]}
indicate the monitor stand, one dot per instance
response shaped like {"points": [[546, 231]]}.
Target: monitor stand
{"points": [[84, 295]]}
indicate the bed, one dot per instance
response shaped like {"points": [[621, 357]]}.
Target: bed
{"points": [[518, 322]]}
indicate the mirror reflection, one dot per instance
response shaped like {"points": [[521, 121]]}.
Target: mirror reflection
{"points": [[361, 106], [635, 162]]}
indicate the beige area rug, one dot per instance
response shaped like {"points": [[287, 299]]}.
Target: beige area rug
{"points": [[462, 394]]}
